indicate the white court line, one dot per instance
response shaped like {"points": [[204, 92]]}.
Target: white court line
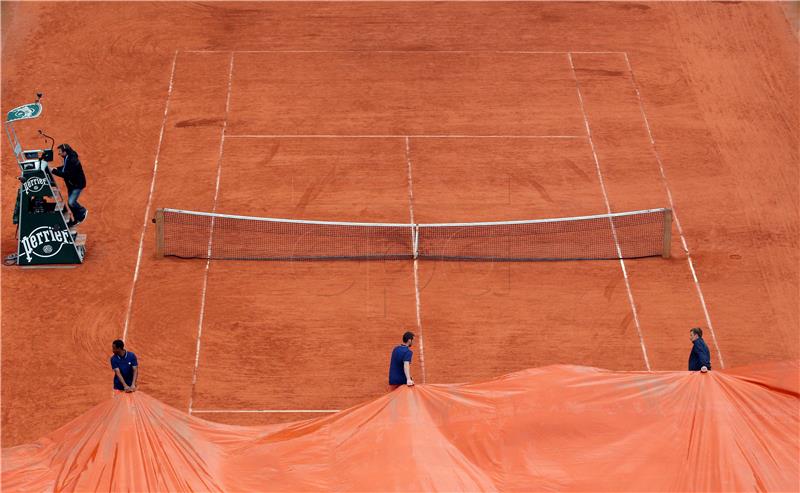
{"points": [[211, 236], [271, 411], [421, 52], [149, 200], [674, 212], [416, 266], [398, 136], [608, 208]]}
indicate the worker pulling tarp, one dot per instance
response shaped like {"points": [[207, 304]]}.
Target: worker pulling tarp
{"points": [[561, 428]]}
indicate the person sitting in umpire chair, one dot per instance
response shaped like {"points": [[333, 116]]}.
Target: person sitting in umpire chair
{"points": [[72, 173]]}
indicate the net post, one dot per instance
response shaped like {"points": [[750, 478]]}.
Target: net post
{"points": [[665, 251], [159, 220]]}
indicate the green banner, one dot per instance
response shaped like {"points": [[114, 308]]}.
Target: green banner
{"points": [[24, 112]]}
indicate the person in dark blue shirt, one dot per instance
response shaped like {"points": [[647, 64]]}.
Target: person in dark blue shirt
{"points": [[400, 364], [700, 357], [125, 366], [72, 173]]}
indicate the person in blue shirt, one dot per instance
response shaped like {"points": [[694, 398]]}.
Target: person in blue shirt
{"points": [[700, 357], [400, 363], [125, 366], [72, 173]]}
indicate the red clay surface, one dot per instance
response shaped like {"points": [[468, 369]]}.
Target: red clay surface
{"points": [[718, 84], [404, 93]]}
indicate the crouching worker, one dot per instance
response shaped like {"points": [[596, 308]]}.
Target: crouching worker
{"points": [[125, 366], [400, 364], [700, 357]]}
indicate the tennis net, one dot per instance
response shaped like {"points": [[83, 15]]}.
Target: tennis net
{"points": [[191, 234]]}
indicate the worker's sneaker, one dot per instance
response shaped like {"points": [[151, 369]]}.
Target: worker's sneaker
{"points": [[85, 213]]}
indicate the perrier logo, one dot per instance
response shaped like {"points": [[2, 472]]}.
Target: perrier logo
{"points": [[44, 241], [35, 184]]}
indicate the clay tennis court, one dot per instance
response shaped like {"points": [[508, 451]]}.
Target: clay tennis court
{"points": [[378, 112]]}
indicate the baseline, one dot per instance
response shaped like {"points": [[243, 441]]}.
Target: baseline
{"points": [[522, 52], [399, 136]]}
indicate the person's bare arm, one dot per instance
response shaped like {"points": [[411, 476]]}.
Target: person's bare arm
{"points": [[122, 380], [135, 376], [407, 370]]}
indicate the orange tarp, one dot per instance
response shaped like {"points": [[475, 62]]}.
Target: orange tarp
{"points": [[553, 428]]}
